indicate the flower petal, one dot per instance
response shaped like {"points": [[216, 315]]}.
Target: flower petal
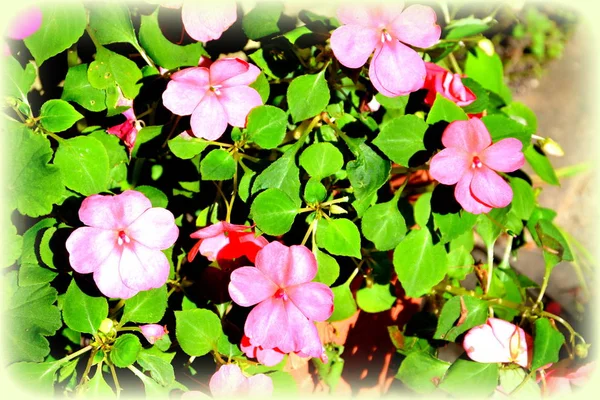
{"points": [[108, 279], [417, 26], [482, 346], [186, 89], [113, 212], [313, 299], [205, 21], [305, 335], [25, 24], [89, 247], [228, 381], [217, 229], [267, 326], [209, 119], [465, 198], [142, 268], [286, 266], [471, 136], [369, 15], [237, 102], [250, 286], [396, 70], [155, 229], [260, 385], [449, 165], [489, 188], [242, 244], [504, 156], [518, 344], [269, 357], [353, 44], [211, 247], [230, 72]]}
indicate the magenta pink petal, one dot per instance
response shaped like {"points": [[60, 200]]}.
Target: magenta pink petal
{"points": [[142, 268], [25, 24], [314, 300], [305, 334], [471, 136], [260, 385], [489, 188], [113, 212], [417, 26], [243, 79], [217, 229], [108, 279], [237, 102], [250, 286], [482, 346], [286, 266], [267, 326], [465, 198], [205, 21], [504, 156], [228, 381], [449, 165], [353, 44], [89, 247], [185, 90], [396, 70], [269, 357], [209, 120], [155, 229], [210, 247]]}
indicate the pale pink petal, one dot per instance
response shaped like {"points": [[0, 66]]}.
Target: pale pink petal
{"points": [[471, 136], [353, 44], [465, 198], [250, 286], [305, 335], [185, 90], [269, 357], [108, 279], [482, 346], [373, 15], [237, 102], [217, 229], [113, 212], [449, 165], [228, 381], [489, 188], [396, 70], [504, 156], [209, 119], [582, 374], [314, 300], [205, 21], [153, 332], [244, 79], [417, 26], [286, 266], [558, 385], [211, 247], [25, 24], [260, 385], [517, 343], [155, 229], [142, 268], [89, 247], [267, 326], [230, 72]]}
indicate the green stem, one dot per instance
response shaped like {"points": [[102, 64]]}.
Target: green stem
{"points": [[523, 383], [545, 282], [129, 328], [117, 307], [454, 63], [235, 189], [336, 201], [310, 230], [505, 259], [490, 260], [76, 354], [53, 136], [115, 379], [144, 56], [84, 377]]}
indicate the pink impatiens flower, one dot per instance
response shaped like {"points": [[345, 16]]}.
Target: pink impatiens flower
{"points": [[449, 85], [561, 376], [207, 20], [25, 24], [287, 301], [214, 96], [268, 357], [469, 161], [153, 332], [499, 341], [229, 381], [128, 130], [395, 69], [122, 242]]}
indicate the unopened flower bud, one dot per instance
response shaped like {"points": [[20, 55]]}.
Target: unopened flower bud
{"points": [[487, 46], [335, 209], [106, 326], [581, 350], [153, 332], [552, 148]]}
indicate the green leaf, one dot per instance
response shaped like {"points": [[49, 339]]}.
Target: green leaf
{"points": [[198, 331], [368, 172], [344, 305], [262, 20], [31, 239], [267, 126], [392, 103], [283, 174], [491, 225], [117, 157], [186, 147], [452, 225], [511, 378], [547, 342], [419, 264], [37, 377], [488, 72], [307, 96], [468, 378], [421, 372], [376, 298], [467, 310], [422, 209], [83, 161], [383, 225], [218, 165], [328, 268], [77, 88], [464, 27], [284, 384], [460, 262], [482, 98], [445, 110], [321, 160], [552, 241], [227, 348], [401, 138], [111, 24], [161, 50], [501, 127], [148, 306], [18, 81], [33, 185], [111, 68], [523, 201], [244, 186], [125, 350], [159, 365], [261, 85], [339, 236], [314, 191], [61, 27], [273, 212], [81, 312], [58, 115], [522, 114], [156, 196], [97, 386], [14, 243], [541, 165]]}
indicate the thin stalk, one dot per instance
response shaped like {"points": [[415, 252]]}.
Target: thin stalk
{"points": [[115, 379], [545, 282], [336, 201], [523, 383], [309, 231], [454, 63], [234, 194], [129, 328], [505, 258], [76, 354], [490, 260], [177, 119], [117, 307], [145, 56], [84, 377]]}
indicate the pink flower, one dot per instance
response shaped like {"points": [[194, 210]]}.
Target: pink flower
{"points": [[395, 69], [449, 85], [560, 378], [214, 96], [229, 381], [470, 159], [153, 332], [26, 23], [122, 242], [227, 242], [206, 20], [128, 130], [287, 301], [268, 357], [499, 341]]}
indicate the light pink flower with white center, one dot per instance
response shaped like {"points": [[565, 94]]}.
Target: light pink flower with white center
{"points": [[25, 24], [449, 85], [469, 161], [207, 20], [395, 69], [229, 381], [153, 332], [214, 96], [286, 300], [122, 242], [499, 341]]}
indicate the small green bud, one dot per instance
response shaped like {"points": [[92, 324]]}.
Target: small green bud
{"points": [[552, 148], [581, 350], [487, 46], [106, 326]]}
